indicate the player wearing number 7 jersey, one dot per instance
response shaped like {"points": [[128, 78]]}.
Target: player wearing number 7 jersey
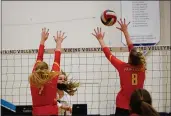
{"points": [[43, 81], [132, 74]]}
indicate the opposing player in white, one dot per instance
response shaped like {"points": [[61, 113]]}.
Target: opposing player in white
{"points": [[65, 89]]}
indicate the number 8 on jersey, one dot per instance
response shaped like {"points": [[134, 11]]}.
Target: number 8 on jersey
{"points": [[134, 79]]}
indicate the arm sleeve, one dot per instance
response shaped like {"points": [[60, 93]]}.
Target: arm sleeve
{"points": [[39, 56], [130, 47], [56, 64], [114, 61]]}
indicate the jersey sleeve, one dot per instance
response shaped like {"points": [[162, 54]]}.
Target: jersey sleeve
{"points": [[39, 56], [56, 63], [114, 61], [130, 47]]}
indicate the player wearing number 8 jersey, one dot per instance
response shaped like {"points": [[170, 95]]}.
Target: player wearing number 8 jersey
{"points": [[132, 74]]}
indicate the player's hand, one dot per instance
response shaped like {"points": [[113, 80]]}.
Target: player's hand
{"points": [[67, 108], [123, 25], [98, 34], [44, 34], [59, 37], [70, 110]]}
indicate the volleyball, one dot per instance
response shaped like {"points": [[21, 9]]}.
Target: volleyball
{"points": [[108, 17]]}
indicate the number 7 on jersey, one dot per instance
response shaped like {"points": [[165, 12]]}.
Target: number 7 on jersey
{"points": [[134, 79]]}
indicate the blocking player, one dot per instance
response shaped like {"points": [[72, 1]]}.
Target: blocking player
{"points": [[43, 82], [132, 74]]}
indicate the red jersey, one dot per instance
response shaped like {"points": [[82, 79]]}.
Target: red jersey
{"points": [[131, 78], [45, 104]]}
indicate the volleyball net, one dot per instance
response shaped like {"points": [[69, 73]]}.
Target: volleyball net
{"points": [[99, 80]]}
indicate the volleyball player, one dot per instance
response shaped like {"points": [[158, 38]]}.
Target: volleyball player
{"points": [[132, 74], [65, 89], [43, 82], [141, 104]]}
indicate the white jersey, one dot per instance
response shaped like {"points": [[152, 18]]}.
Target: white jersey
{"points": [[65, 101]]}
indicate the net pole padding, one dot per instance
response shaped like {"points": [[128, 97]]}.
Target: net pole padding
{"points": [[86, 50]]}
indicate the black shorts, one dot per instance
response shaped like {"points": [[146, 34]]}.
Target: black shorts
{"points": [[121, 112]]}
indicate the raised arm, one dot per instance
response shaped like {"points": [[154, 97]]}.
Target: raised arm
{"points": [[44, 37], [58, 39], [114, 61], [124, 29]]}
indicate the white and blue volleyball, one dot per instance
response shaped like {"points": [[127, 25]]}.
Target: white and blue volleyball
{"points": [[108, 17]]}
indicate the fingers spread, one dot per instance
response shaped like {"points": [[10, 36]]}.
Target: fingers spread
{"points": [[121, 21], [47, 30], [93, 34], [95, 31], [47, 34], [65, 37], [60, 34], [118, 28], [128, 23], [57, 34], [63, 34]]}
